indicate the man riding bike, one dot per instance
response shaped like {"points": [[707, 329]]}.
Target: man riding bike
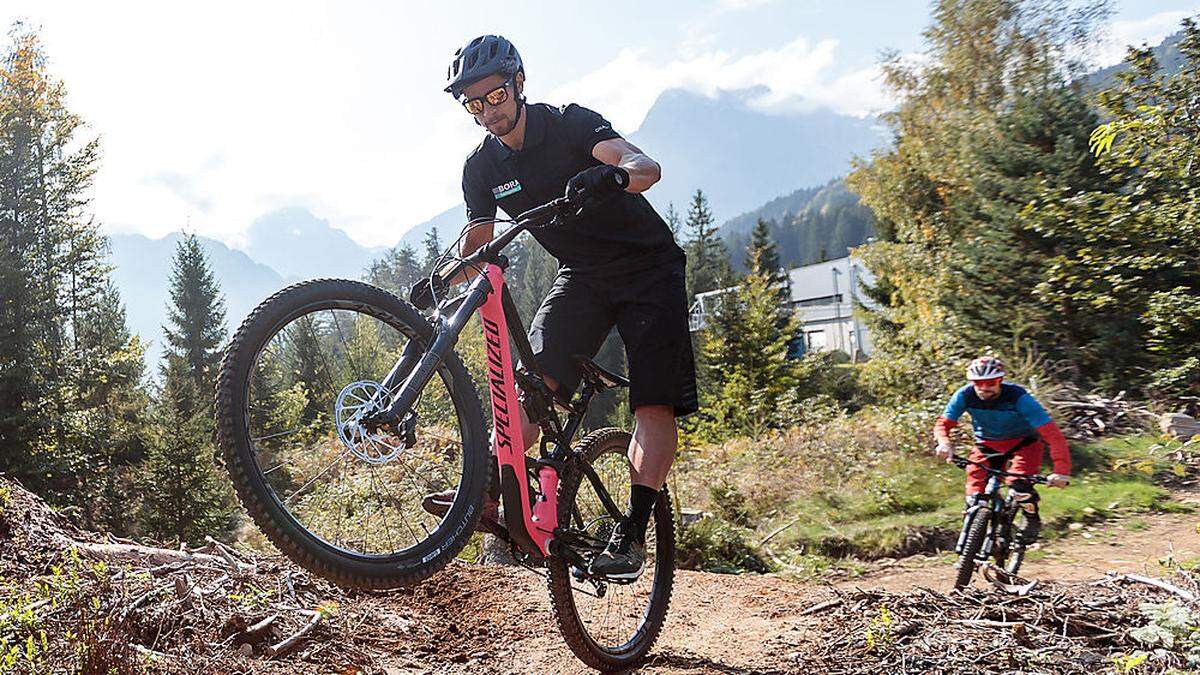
{"points": [[1010, 425], [619, 265]]}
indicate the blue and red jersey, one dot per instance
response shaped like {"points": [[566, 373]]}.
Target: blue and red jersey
{"points": [[1002, 422]]}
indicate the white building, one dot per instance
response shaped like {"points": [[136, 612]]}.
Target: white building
{"points": [[823, 296]]}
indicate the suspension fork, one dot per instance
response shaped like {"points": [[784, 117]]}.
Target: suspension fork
{"points": [[990, 505], [445, 337]]}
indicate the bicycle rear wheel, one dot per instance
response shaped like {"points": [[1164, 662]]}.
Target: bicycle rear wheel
{"points": [[610, 626], [1009, 558], [338, 498]]}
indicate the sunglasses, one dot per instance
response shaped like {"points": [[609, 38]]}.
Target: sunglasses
{"points": [[494, 98], [989, 383]]}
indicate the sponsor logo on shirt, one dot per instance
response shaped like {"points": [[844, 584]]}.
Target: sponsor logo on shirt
{"points": [[506, 189], [599, 128]]}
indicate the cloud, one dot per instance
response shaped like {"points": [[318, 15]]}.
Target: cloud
{"points": [[189, 186], [798, 75], [1137, 32], [740, 5]]}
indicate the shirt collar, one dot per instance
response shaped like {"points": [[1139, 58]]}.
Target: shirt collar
{"points": [[535, 131]]}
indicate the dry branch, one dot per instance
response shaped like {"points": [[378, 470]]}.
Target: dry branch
{"points": [[291, 641]]}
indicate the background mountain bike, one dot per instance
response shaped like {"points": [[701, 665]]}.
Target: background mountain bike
{"points": [[987, 528], [340, 405]]}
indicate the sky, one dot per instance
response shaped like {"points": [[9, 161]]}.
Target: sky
{"points": [[211, 114]]}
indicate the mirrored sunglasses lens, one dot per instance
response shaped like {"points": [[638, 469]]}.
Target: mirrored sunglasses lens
{"points": [[474, 106], [497, 96]]}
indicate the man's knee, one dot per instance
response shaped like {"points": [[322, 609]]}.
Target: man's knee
{"points": [[651, 414], [1023, 493]]}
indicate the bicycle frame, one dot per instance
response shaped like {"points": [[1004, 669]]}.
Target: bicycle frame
{"points": [[532, 526], [993, 502]]}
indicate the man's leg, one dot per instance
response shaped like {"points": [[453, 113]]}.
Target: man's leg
{"points": [[1027, 460], [976, 476], [653, 325], [651, 452], [652, 448]]}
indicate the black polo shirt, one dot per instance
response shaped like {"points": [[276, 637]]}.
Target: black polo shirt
{"points": [[622, 236]]}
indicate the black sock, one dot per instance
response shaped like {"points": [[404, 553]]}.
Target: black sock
{"points": [[641, 505]]}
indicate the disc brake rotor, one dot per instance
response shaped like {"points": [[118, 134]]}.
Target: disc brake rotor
{"points": [[356, 401]]}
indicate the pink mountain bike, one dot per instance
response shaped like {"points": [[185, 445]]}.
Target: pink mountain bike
{"points": [[339, 406]]}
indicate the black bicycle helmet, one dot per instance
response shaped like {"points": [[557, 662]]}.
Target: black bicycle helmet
{"points": [[485, 55]]}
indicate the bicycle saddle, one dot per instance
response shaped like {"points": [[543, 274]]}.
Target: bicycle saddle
{"points": [[597, 375]]}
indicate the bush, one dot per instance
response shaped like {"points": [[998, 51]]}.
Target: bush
{"points": [[729, 502], [714, 545]]}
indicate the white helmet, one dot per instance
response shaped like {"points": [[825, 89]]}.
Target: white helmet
{"points": [[985, 368]]}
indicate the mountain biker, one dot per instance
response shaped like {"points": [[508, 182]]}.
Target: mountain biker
{"points": [[619, 265], [1010, 423]]}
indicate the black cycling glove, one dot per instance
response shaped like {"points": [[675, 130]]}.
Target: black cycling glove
{"points": [[596, 184]]}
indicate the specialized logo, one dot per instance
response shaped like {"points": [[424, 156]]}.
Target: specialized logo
{"points": [[496, 380], [506, 189]]}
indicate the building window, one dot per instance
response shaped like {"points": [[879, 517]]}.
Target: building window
{"points": [[815, 340]]}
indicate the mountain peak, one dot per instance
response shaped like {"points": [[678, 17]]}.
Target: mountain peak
{"points": [[301, 245], [740, 155]]}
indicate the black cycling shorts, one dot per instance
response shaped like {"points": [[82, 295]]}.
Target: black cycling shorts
{"points": [[651, 315]]}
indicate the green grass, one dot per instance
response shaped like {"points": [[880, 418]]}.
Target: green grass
{"points": [[889, 502]]}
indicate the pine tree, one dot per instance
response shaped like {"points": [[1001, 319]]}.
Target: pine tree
{"points": [[1127, 257], [433, 250], [110, 420], [707, 261], [999, 265], [763, 259], [70, 398], [311, 370], [532, 274], [396, 271], [940, 185], [745, 358], [197, 322], [672, 219], [184, 498]]}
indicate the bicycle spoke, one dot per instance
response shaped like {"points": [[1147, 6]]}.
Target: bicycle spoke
{"points": [[355, 372], [340, 459], [278, 435], [387, 523]]}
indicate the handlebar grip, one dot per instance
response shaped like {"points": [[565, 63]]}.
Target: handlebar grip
{"points": [[546, 211]]}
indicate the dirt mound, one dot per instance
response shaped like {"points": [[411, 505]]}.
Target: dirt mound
{"points": [[96, 604], [71, 601]]}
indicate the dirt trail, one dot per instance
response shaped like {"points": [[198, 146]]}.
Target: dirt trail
{"points": [[1134, 544], [491, 619], [756, 624]]}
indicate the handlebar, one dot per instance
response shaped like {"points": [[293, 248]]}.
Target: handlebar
{"points": [[536, 217], [962, 463]]}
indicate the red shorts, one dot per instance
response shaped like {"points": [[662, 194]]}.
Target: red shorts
{"points": [[1026, 460]]}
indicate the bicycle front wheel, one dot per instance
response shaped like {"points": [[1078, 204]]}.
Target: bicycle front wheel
{"points": [[610, 626], [338, 497], [976, 533]]}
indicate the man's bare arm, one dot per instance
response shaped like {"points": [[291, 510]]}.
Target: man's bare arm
{"points": [[480, 233], [643, 171]]}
